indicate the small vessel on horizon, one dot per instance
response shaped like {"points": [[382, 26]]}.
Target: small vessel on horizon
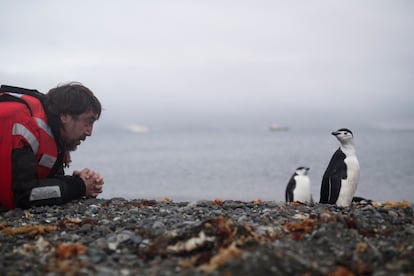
{"points": [[278, 127], [137, 128]]}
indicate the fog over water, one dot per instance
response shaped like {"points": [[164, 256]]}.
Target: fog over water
{"points": [[208, 78]]}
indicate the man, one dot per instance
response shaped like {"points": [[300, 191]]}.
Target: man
{"points": [[37, 133]]}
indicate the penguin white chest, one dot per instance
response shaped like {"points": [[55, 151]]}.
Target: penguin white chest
{"points": [[349, 185], [302, 190]]}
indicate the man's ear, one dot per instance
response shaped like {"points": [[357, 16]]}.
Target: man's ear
{"points": [[64, 118]]}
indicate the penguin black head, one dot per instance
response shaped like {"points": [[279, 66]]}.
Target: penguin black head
{"points": [[343, 135], [302, 171], [342, 130]]}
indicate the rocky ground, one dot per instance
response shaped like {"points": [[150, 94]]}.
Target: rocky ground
{"points": [[147, 237]]}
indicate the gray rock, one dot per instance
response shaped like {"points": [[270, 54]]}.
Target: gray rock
{"points": [[131, 237]]}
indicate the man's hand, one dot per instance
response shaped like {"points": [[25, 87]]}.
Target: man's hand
{"points": [[93, 181]]}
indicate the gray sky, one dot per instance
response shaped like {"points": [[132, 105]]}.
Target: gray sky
{"points": [[332, 62]]}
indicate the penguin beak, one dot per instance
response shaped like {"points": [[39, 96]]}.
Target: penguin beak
{"points": [[334, 133]]}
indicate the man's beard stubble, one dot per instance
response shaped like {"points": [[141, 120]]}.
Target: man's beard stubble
{"points": [[70, 145]]}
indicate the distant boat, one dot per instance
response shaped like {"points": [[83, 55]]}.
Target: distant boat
{"points": [[277, 127], [136, 128]]}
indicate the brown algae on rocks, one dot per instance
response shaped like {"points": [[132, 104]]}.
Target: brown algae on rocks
{"points": [[131, 237]]}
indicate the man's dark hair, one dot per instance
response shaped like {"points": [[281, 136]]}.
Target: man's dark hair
{"points": [[71, 99]]}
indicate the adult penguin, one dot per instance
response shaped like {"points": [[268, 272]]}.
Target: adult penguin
{"points": [[341, 177]]}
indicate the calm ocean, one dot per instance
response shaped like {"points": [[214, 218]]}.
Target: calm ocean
{"points": [[241, 165]]}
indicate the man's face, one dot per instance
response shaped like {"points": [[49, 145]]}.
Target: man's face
{"points": [[76, 128]]}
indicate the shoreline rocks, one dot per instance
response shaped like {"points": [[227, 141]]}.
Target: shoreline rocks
{"points": [[147, 237]]}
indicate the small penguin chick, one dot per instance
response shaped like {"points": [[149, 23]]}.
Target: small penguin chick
{"points": [[298, 187]]}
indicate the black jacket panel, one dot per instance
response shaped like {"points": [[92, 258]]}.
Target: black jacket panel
{"points": [[30, 191]]}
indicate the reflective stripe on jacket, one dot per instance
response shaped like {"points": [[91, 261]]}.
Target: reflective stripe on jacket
{"points": [[23, 123]]}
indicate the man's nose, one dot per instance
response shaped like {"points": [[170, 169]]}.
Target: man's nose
{"points": [[88, 130]]}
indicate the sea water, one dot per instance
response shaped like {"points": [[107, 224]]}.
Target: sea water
{"points": [[241, 164]]}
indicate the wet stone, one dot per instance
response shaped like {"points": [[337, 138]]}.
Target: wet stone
{"points": [[146, 237]]}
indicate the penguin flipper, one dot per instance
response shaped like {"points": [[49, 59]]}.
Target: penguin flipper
{"points": [[289, 190], [335, 188], [331, 181], [324, 191]]}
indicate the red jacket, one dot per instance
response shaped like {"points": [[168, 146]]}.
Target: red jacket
{"points": [[29, 158]]}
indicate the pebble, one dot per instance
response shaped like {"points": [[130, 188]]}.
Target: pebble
{"points": [[147, 237]]}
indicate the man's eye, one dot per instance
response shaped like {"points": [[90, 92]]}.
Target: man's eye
{"points": [[89, 123]]}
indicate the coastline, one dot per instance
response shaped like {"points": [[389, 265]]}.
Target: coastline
{"points": [[148, 237]]}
